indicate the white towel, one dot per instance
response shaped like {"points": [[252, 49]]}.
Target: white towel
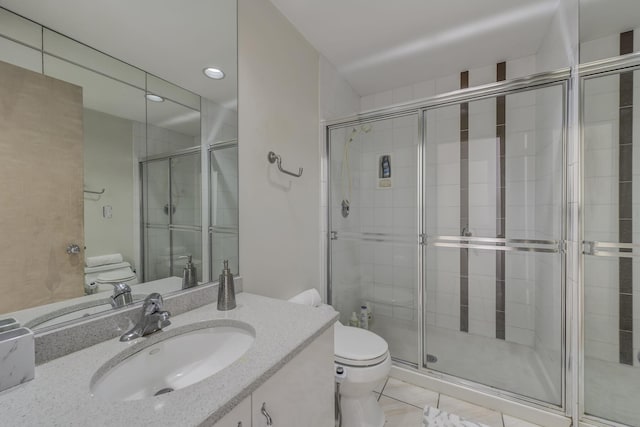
{"points": [[433, 417], [96, 261], [309, 297]]}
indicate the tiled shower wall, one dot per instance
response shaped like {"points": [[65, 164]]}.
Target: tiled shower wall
{"points": [[603, 201], [388, 273], [382, 273]]}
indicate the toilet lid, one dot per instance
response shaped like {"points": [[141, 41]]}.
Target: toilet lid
{"points": [[115, 276], [358, 347]]}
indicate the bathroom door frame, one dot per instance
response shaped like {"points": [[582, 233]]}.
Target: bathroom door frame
{"points": [[538, 81]]}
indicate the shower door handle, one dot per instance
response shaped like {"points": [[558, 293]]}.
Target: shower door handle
{"points": [[610, 249]]}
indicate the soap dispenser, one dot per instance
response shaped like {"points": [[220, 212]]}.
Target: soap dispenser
{"points": [[226, 290], [189, 276]]}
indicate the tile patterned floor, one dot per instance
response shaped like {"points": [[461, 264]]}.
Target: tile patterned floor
{"points": [[403, 404]]}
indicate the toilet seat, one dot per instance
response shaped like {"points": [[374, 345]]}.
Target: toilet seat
{"points": [[123, 275], [359, 347]]}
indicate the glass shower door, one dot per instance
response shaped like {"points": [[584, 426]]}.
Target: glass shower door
{"points": [[186, 222], [493, 267], [611, 310], [156, 219], [374, 229], [223, 221], [171, 217]]}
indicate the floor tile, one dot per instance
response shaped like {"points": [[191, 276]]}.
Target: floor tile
{"points": [[380, 386], [470, 411], [515, 422], [400, 414], [409, 393]]}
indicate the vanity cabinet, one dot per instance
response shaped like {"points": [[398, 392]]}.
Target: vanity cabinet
{"points": [[240, 416], [301, 393]]}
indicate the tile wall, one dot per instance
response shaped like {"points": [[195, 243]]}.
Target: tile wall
{"points": [[382, 273], [602, 207]]}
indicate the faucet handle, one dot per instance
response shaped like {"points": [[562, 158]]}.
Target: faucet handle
{"points": [[120, 288], [153, 303]]}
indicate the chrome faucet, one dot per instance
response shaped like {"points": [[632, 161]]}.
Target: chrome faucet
{"points": [[121, 295], [152, 319]]}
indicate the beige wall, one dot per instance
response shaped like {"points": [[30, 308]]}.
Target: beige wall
{"points": [[278, 108], [41, 174], [108, 157]]}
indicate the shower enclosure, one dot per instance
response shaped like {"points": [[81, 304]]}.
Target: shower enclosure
{"points": [[447, 218], [223, 210], [171, 188], [611, 337]]}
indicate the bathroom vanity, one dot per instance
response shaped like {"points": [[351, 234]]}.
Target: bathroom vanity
{"points": [[286, 374]]}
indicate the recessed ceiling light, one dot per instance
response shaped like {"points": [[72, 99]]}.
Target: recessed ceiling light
{"points": [[154, 98], [213, 73]]}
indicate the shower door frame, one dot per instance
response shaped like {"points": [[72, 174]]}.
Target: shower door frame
{"points": [[538, 81], [169, 227], [595, 69]]}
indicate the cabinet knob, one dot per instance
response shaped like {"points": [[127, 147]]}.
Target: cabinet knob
{"points": [[266, 414]]}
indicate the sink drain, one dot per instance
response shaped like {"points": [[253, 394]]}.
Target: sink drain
{"points": [[163, 391], [431, 358]]}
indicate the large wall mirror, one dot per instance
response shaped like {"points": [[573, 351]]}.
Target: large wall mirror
{"points": [[112, 172]]}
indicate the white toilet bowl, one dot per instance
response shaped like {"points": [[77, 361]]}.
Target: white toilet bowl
{"points": [[365, 362], [362, 361]]}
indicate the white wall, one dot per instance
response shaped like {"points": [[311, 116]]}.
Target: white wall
{"points": [[278, 106], [517, 67], [559, 48], [337, 97], [108, 160]]}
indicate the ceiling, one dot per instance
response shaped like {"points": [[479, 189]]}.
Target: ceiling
{"points": [[378, 45], [172, 39]]}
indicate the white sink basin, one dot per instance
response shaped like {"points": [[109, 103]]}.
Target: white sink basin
{"points": [[173, 363]]}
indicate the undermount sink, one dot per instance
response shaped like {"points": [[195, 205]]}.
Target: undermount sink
{"points": [[175, 362]]}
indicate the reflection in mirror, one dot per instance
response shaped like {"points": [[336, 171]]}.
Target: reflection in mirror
{"points": [[223, 230], [601, 24], [136, 179]]}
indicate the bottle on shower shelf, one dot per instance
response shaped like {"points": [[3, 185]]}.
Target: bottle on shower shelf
{"points": [[354, 320], [364, 317]]}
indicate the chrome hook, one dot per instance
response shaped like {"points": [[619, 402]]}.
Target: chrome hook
{"points": [[273, 157]]}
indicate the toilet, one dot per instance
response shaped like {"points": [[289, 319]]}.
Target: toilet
{"points": [[362, 361], [104, 275]]}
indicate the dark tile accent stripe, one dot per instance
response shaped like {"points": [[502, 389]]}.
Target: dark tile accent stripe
{"points": [[625, 200], [626, 42], [501, 118], [464, 205]]}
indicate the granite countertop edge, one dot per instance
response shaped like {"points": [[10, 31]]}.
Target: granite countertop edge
{"points": [[60, 394]]}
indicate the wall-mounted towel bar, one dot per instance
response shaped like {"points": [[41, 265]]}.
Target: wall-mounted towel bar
{"points": [[95, 192], [273, 157]]}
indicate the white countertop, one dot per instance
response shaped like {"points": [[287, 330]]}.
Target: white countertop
{"points": [[60, 396]]}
